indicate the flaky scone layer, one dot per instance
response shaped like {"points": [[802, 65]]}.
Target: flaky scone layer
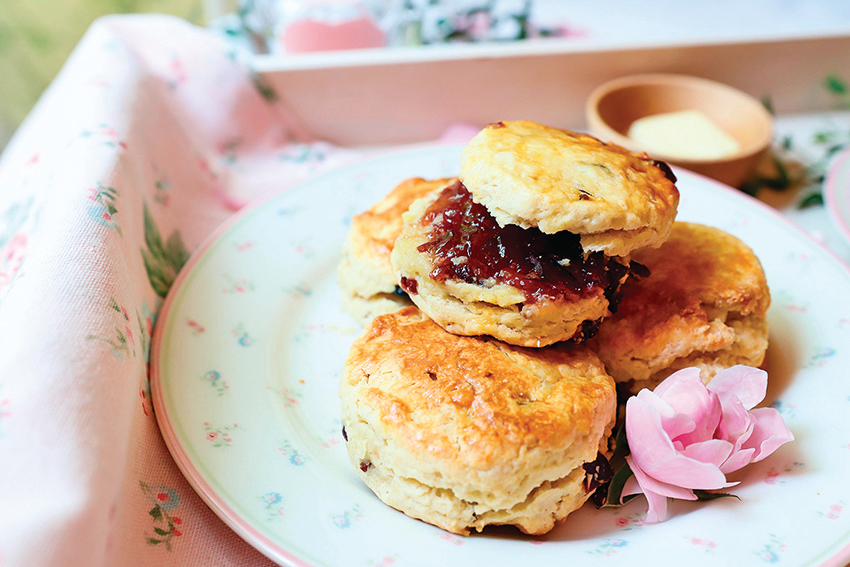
{"points": [[464, 432]]}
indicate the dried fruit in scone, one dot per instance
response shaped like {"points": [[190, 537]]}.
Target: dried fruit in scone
{"points": [[518, 285], [466, 432], [366, 277], [529, 174], [703, 304]]}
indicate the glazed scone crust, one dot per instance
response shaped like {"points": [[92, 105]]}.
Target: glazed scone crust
{"points": [[464, 432], [703, 304], [533, 175], [365, 275], [499, 310]]}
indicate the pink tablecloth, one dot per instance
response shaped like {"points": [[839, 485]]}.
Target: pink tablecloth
{"points": [[151, 136]]}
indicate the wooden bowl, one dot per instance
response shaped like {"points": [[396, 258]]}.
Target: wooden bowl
{"points": [[615, 105]]}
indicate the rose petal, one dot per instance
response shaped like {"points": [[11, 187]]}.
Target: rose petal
{"points": [[737, 460], [630, 487], [654, 452], [659, 405], [675, 424], [769, 432], [714, 451], [680, 427], [656, 499], [748, 384], [684, 373], [657, 511], [647, 483], [737, 424], [687, 395]]}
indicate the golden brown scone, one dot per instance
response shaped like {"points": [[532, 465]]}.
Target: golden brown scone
{"points": [[703, 304], [366, 276], [452, 272], [465, 432], [556, 180]]}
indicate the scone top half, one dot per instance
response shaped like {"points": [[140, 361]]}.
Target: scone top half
{"points": [[532, 175]]}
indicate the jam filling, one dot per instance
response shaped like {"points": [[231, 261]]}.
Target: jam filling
{"points": [[466, 243]]}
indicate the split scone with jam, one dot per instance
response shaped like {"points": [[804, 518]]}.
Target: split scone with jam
{"points": [[365, 274], [703, 304], [531, 245], [465, 432]]}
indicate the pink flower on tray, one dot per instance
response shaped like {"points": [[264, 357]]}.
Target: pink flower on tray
{"points": [[686, 436]]}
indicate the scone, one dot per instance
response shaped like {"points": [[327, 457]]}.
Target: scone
{"points": [[703, 304], [531, 245], [365, 274], [466, 432], [555, 180]]}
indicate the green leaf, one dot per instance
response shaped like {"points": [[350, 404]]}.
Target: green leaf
{"points": [[781, 181], [159, 282], [822, 137], [162, 532], [835, 85], [175, 252], [162, 260], [834, 149], [265, 90], [615, 489], [153, 541], [153, 240], [621, 446], [705, 496], [156, 512], [813, 200]]}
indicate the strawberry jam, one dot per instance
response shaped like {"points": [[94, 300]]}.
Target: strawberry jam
{"points": [[466, 243]]}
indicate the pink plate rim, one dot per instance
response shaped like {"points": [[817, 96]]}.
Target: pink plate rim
{"points": [[836, 184]]}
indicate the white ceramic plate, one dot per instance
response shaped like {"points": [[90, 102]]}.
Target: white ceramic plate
{"points": [[251, 340], [836, 192]]}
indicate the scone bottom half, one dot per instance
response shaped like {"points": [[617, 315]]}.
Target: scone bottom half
{"points": [[466, 432], [519, 285]]}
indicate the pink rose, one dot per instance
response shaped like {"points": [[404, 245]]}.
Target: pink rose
{"points": [[686, 436]]}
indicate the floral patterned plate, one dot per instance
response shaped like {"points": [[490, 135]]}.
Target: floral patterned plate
{"points": [[252, 337]]}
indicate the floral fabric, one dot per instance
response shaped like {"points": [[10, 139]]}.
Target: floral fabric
{"points": [[151, 136]]}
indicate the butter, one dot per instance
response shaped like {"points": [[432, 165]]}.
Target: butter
{"points": [[687, 135]]}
